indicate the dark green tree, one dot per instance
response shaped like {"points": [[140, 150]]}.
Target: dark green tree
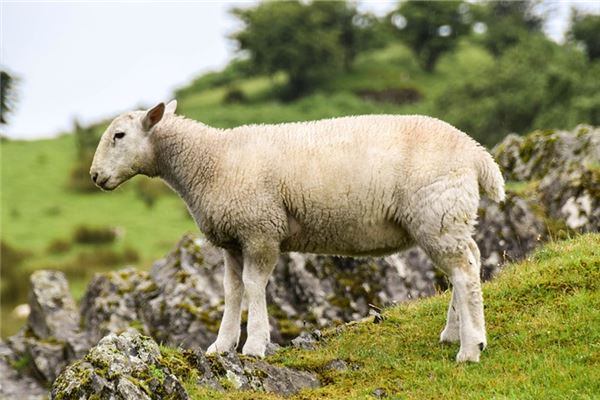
{"points": [[534, 84], [508, 22], [585, 29], [431, 28], [309, 42], [7, 95]]}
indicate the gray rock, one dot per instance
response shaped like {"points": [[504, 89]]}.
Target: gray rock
{"points": [[53, 310], [307, 340], [507, 232], [110, 303], [114, 368], [261, 376], [337, 365], [567, 166], [180, 302], [206, 376], [233, 369], [127, 390], [130, 366], [189, 298], [278, 380], [48, 358], [16, 384]]}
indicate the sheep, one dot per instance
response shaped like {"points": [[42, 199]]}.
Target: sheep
{"points": [[354, 186]]}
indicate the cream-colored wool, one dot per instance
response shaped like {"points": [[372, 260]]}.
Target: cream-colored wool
{"points": [[357, 186]]}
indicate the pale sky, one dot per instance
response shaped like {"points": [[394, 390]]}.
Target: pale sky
{"points": [[92, 60]]}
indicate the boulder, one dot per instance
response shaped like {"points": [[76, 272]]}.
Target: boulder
{"points": [[131, 366], [125, 366], [15, 382], [566, 164], [507, 232], [110, 302], [53, 311], [180, 302]]}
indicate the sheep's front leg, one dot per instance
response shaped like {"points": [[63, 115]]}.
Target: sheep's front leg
{"points": [[229, 331], [259, 262]]}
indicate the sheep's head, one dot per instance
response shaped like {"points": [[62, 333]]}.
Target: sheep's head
{"points": [[125, 148]]}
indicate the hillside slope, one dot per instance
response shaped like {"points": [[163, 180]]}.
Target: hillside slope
{"points": [[542, 314], [543, 321]]}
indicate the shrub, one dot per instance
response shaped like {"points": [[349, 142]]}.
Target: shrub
{"points": [[79, 178], [94, 235], [234, 95], [58, 246], [14, 282], [86, 263]]}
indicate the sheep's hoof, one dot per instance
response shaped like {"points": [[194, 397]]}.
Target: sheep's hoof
{"points": [[218, 348], [254, 349], [449, 336], [471, 355]]}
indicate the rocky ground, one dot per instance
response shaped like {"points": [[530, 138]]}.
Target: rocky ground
{"points": [[108, 346]]}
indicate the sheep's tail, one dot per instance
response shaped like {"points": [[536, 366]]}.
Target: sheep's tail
{"points": [[489, 176]]}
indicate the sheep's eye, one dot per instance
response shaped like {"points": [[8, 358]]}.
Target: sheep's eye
{"points": [[119, 135]]}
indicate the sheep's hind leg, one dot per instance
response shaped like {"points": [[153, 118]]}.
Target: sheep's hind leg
{"points": [[463, 269], [229, 331], [259, 262], [451, 332]]}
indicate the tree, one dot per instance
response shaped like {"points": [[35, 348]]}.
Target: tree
{"points": [[508, 22], [7, 95], [585, 29], [431, 28], [310, 42], [534, 84]]}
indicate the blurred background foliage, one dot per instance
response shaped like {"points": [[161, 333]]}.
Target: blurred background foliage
{"points": [[486, 67]]}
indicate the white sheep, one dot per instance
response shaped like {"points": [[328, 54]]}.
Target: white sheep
{"points": [[355, 186]]}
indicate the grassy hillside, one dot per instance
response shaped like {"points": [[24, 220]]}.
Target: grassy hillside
{"points": [[40, 216], [543, 319], [392, 68]]}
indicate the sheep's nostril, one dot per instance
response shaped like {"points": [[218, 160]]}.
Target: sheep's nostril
{"points": [[94, 177]]}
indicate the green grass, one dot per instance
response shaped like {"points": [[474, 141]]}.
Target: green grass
{"points": [[37, 207], [543, 321]]}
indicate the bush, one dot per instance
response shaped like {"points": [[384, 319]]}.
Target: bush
{"points": [[86, 263], [14, 283], [94, 235], [79, 178], [234, 95], [236, 69], [86, 140], [58, 246]]}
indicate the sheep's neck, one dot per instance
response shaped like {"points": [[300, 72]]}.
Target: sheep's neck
{"points": [[183, 150]]}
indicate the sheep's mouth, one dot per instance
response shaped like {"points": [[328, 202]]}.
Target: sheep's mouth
{"points": [[104, 184]]}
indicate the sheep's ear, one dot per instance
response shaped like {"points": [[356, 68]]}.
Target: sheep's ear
{"points": [[171, 107], [153, 116]]}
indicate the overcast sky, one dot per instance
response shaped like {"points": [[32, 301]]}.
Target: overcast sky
{"points": [[92, 60]]}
